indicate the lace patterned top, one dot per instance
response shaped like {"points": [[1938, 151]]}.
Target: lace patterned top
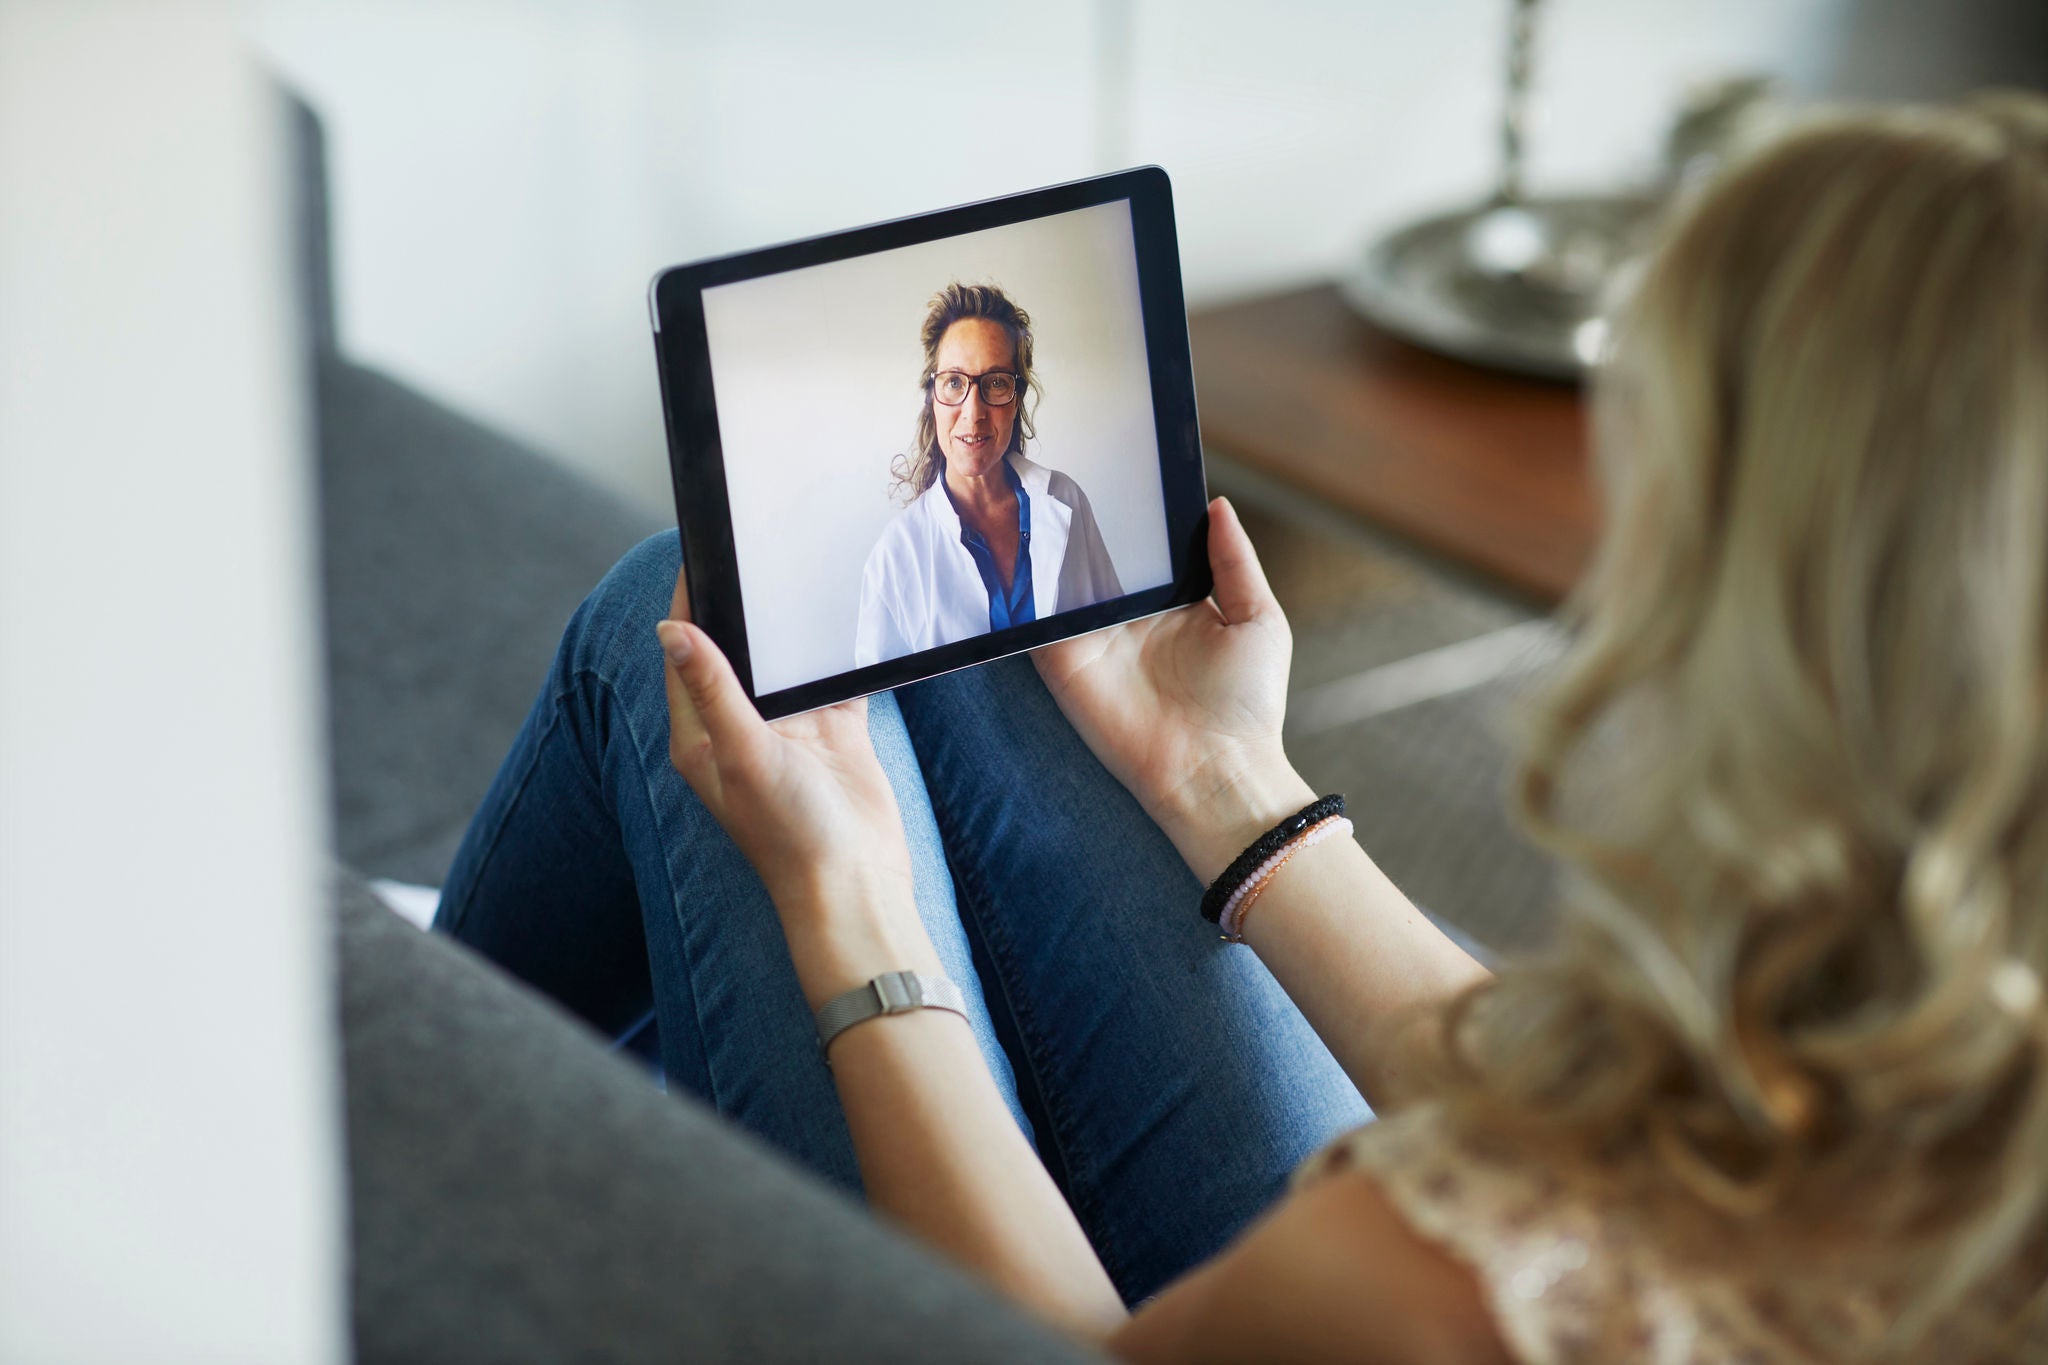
{"points": [[1569, 1274]]}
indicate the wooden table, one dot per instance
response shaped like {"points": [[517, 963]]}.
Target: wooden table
{"points": [[1486, 470]]}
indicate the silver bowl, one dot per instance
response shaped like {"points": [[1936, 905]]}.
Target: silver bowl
{"points": [[1513, 286]]}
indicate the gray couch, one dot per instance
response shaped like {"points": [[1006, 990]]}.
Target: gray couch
{"points": [[517, 1194], [517, 1191]]}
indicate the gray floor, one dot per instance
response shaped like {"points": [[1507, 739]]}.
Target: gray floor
{"points": [[1404, 689]]}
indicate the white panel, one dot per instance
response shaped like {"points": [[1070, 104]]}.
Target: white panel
{"points": [[169, 1176], [509, 175], [1295, 130], [510, 172]]}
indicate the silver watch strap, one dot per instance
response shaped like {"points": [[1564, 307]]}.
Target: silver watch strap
{"points": [[889, 993]]}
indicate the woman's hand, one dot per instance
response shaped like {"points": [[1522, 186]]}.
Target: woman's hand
{"points": [[804, 798], [807, 801], [1185, 707]]}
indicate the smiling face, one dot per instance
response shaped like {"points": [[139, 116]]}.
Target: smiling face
{"points": [[974, 436]]}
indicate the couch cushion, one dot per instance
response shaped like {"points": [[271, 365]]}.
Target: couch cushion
{"points": [[452, 558]]}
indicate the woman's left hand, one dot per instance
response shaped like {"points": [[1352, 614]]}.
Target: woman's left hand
{"points": [[1186, 707], [804, 798]]}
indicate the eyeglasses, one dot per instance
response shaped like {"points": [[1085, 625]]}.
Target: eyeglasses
{"points": [[998, 387]]}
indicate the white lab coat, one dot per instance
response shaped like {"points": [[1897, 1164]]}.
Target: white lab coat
{"points": [[921, 588]]}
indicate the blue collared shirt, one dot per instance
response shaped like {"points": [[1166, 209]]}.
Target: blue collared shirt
{"points": [[1015, 607]]}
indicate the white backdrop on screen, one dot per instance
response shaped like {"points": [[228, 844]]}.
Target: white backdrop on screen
{"points": [[816, 372]]}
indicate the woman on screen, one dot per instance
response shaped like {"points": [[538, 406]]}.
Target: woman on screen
{"points": [[989, 539]]}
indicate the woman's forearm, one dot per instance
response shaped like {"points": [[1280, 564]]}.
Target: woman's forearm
{"points": [[1351, 951], [939, 1152], [1361, 962]]}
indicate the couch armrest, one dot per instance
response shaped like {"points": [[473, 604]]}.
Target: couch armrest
{"points": [[519, 1193]]}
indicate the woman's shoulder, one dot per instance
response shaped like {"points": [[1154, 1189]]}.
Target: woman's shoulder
{"points": [[906, 527], [1530, 1243], [1568, 1265], [1054, 483]]}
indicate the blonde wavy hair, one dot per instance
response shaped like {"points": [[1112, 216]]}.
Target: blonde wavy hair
{"points": [[913, 472], [1796, 761]]}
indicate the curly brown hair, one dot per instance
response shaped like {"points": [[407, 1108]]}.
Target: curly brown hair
{"points": [[916, 470]]}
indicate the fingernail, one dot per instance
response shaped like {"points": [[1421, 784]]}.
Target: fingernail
{"points": [[675, 642]]}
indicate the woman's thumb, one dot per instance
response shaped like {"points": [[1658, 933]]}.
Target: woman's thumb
{"points": [[709, 693], [1240, 588]]}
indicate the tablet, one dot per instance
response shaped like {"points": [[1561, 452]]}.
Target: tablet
{"points": [[921, 445]]}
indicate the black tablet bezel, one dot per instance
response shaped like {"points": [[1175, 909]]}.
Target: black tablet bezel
{"points": [[697, 457]]}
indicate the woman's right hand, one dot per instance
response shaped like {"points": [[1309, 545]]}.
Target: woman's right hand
{"points": [[1185, 707], [805, 798]]}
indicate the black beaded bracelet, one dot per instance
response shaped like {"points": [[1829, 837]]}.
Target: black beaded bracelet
{"points": [[1264, 847]]}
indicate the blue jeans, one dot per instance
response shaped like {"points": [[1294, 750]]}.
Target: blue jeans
{"points": [[1166, 1081]]}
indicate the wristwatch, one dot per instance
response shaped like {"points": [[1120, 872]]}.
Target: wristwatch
{"points": [[889, 993]]}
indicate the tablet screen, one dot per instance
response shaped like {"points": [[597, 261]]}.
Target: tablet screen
{"points": [[916, 446], [938, 441]]}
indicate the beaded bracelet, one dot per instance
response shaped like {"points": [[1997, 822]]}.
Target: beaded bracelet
{"points": [[1265, 846], [1231, 921]]}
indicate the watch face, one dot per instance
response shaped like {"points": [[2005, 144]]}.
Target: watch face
{"points": [[898, 991]]}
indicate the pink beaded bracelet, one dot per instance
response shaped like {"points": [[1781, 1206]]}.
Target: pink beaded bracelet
{"points": [[1231, 921]]}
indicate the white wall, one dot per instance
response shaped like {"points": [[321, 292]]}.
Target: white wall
{"points": [[170, 1185], [816, 376], [510, 172], [1297, 130]]}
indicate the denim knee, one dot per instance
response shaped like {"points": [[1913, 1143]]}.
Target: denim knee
{"points": [[612, 632]]}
